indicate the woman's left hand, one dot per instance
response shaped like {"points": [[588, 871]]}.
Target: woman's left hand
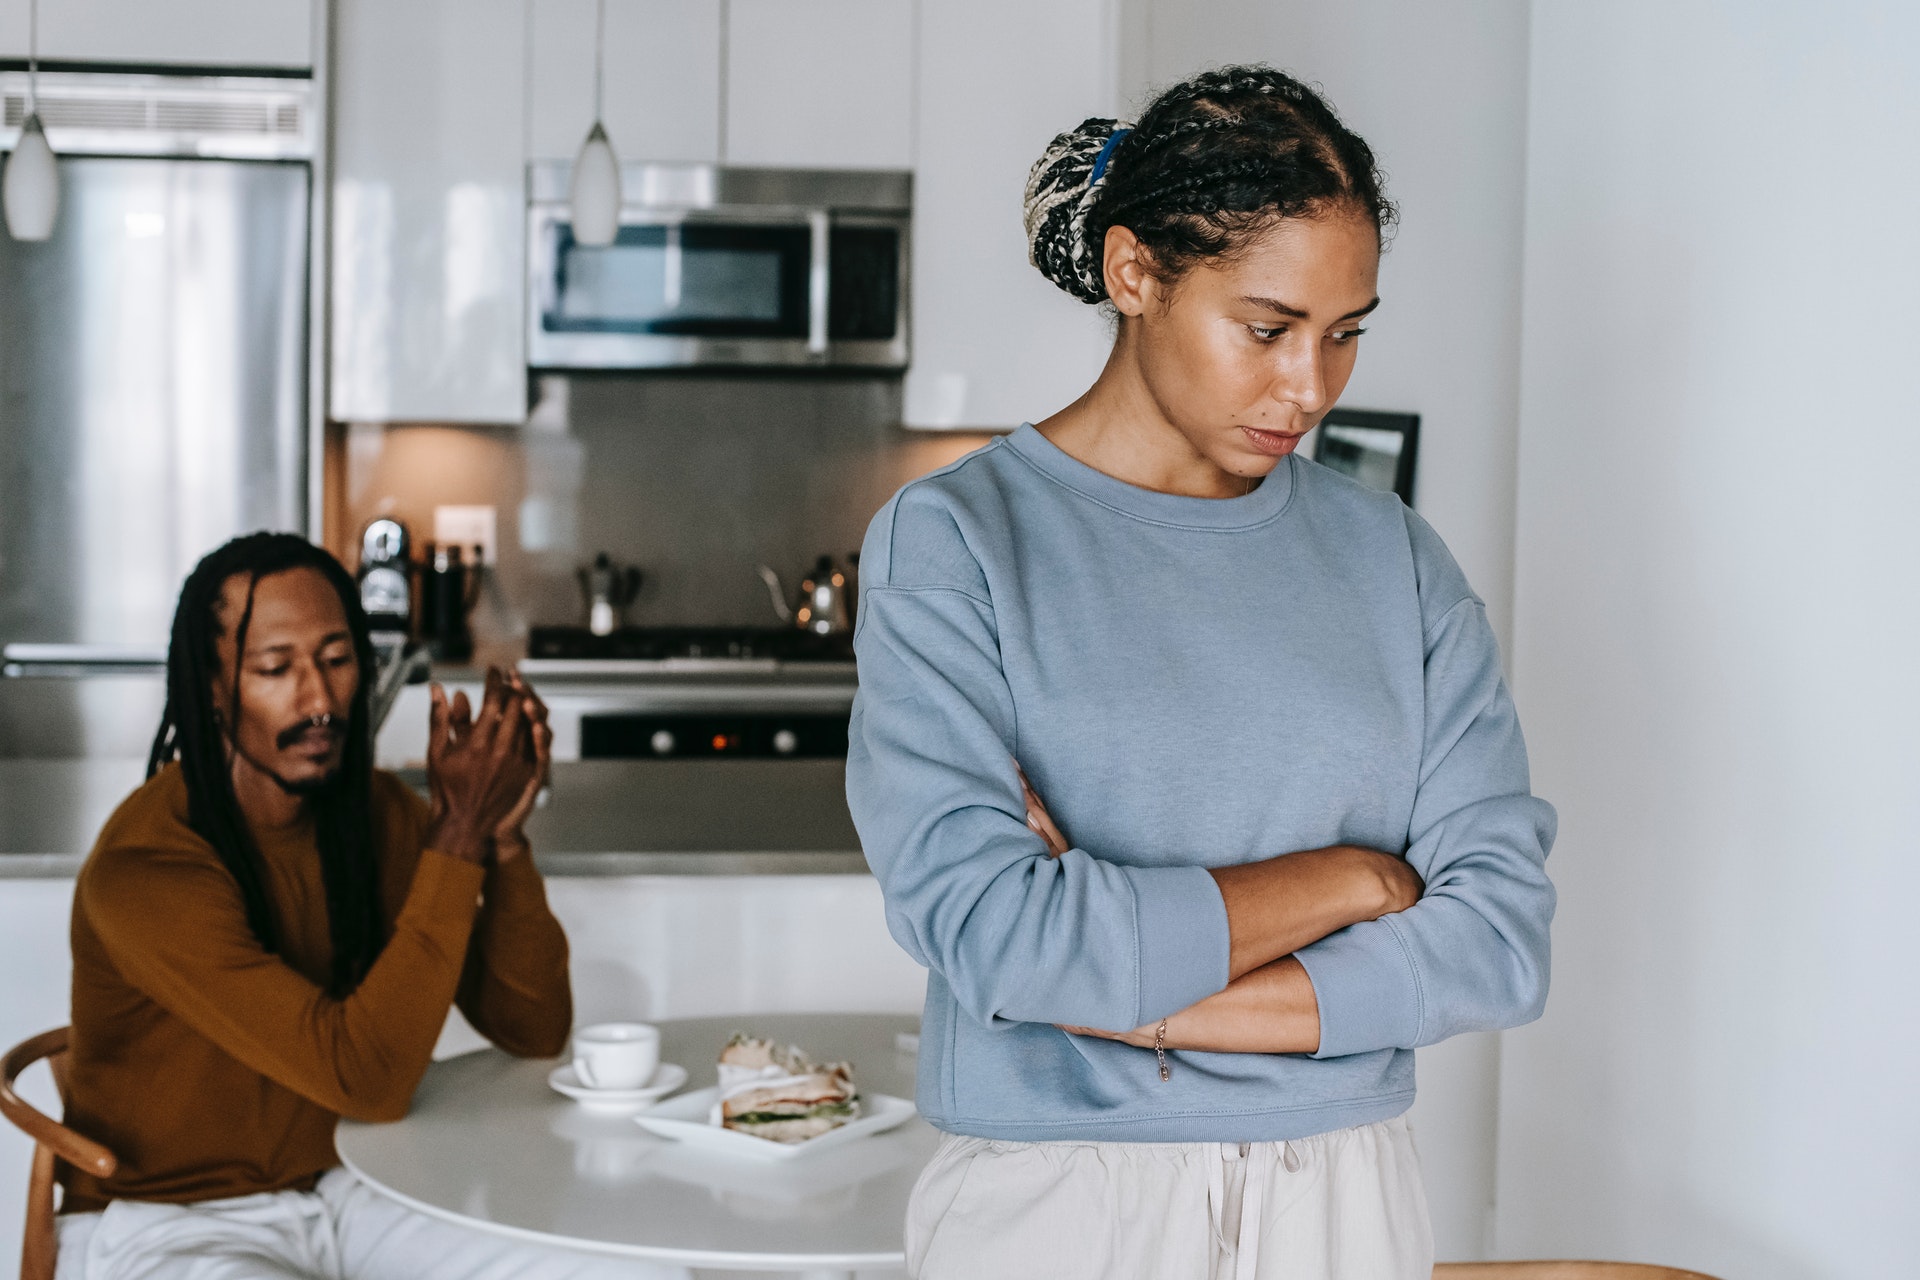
{"points": [[1271, 1010]]}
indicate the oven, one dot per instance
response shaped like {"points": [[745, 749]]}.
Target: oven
{"points": [[705, 693], [716, 266]]}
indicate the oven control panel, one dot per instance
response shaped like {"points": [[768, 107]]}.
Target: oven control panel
{"points": [[640, 735]]}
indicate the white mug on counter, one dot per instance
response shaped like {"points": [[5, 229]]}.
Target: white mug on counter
{"points": [[616, 1055]]}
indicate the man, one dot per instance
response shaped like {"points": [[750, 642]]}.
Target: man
{"points": [[269, 933]]}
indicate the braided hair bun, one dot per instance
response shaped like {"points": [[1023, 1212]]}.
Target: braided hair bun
{"points": [[1213, 162], [1061, 188]]}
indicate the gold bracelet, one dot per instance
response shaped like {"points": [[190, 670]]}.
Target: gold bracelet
{"points": [[1160, 1049]]}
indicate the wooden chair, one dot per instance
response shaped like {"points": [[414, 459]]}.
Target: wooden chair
{"points": [[1560, 1271], [52, 1141]]}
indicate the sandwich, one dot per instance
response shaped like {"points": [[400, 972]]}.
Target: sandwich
{"points": [[776, 1092]]}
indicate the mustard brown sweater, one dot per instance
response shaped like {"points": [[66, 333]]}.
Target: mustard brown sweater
{"points": [[211, 1067]]}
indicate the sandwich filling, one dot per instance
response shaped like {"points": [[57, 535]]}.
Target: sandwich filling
{"points": [[777, 1093]]}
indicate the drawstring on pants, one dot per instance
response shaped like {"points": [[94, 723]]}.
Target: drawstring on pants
{"points": [[1245, 1247]]}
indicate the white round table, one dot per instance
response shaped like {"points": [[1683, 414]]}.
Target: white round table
{"points": [[489, 1145]]}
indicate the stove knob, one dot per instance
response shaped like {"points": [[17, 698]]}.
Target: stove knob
{"points": [[662, 743], [785, 743]]}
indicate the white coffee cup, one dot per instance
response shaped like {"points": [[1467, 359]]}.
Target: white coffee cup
{"points": [[616, 1055]]}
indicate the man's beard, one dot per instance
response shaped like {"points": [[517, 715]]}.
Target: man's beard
{"points": [[306, 787]]}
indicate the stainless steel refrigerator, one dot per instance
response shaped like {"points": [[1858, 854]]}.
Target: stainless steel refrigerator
{"points": [[153, 384]]}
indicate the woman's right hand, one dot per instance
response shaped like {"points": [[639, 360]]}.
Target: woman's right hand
{"points": [[1039, 821], [1396, 885], [478, 768]]}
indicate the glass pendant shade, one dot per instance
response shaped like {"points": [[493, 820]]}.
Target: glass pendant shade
{"points": [[596, 190], [31, 188]]}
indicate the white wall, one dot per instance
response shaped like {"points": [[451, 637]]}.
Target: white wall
{"points": [[1439, 92], [1717, 599]]}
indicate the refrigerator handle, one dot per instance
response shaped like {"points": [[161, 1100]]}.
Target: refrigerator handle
{"points": [[66, 661]]}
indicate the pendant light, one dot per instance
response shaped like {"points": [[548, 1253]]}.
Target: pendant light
{"points": [[596, 172], [31, 188]]}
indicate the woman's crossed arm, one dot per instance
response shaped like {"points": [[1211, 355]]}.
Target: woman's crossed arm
{"points": [[1274, 908]]}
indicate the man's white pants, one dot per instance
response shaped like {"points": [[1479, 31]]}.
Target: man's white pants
{"points": [[1347, 1205], [341, 1230]]}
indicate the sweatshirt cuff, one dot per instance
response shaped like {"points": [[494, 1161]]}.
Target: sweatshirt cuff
{"points": [[1181, 926], [1367, 989]]}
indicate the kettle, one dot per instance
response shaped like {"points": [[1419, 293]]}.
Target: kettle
{"points": [[608, 588], [824, 604]]}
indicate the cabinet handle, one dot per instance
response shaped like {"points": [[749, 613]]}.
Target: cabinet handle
{"points": [[819, 224]]}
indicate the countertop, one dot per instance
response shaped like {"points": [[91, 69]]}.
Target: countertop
{"points": [[604, 817]]}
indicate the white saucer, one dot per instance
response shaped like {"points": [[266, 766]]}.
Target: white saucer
{"points": [[666, 1078]]}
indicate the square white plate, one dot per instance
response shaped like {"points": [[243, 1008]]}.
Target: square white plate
{"points": [[684, 1119]]}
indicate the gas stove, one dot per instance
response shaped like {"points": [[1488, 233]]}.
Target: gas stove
{"points": [[720, 645], [757, 654]]}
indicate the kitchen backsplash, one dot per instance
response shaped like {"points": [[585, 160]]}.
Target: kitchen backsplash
{"points": [[695, 479]]}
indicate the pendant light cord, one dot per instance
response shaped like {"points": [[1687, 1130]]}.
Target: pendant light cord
{"points": [[599, 62], [726, 52], [33, 57]]}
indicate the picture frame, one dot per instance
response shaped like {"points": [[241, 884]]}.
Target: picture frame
{"points": [[1379, 448]]}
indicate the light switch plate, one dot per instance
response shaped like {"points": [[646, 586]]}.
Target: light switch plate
{"points": [[469, 527]]}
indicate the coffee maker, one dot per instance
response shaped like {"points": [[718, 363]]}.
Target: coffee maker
{"points": [[386, 576]]}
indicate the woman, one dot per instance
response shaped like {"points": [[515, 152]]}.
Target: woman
{"points": [[1261, 699]]}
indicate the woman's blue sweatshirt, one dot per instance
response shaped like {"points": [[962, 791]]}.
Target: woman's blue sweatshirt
{"points": [[1189, 683]]}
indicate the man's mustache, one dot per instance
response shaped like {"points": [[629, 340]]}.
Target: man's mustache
{"points": [[333, 726]]}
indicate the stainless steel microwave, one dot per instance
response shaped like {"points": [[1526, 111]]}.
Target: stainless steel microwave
{"points": [[723, 266]]}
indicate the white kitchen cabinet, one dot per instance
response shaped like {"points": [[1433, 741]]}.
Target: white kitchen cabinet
{"points": [[662, 78], [242, 33], [429, 212], [822, 83], [994, 343]]}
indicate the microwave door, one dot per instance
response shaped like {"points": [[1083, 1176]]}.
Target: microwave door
{"points": [[676, 291]]}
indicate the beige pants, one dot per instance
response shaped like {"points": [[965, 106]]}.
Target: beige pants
{"points": [[1347, 1205], [341, 1230]]}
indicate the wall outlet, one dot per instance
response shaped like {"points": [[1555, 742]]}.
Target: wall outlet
{"points": [[469, 527]]}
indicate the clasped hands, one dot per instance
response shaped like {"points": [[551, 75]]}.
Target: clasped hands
{"points": [[485, 770], [1274, 908]]}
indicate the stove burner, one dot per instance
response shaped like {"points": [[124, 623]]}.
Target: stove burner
{"points": [[654, 644]]}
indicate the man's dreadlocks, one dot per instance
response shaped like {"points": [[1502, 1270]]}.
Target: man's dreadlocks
{"points": [[190, 732]]}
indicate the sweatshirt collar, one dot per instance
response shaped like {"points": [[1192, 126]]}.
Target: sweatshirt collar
{"points": [[1256, 508]]}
